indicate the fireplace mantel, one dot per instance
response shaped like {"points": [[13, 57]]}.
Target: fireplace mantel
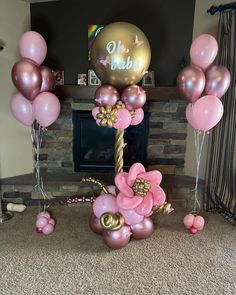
{"points": [[87, 92]]}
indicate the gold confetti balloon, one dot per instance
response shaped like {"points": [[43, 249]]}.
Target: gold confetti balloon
{"points": [[120, 54]]}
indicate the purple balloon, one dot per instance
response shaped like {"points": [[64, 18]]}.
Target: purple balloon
{"points": [[48, 79], [22, 109], [217, 81], [32, 45], [27, 78], [191, 82], [143, 230], [46, 107], [118, 238], [205, 113], [134, 97], [95, 224], [106, 95]]}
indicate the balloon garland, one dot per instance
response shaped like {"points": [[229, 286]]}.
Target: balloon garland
{"points": [[203, 112], [35, 106]]}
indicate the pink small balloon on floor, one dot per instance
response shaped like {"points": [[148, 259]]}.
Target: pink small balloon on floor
{"points": [[193, 230], [198, 222], [139, 115], [52, 221], [43, 214], [188, 220], [41, 222], [118, 238], [104, 203], [39, 230], [131, 217], [48, 229], [95, 224], [124, 119], [143, 230]]}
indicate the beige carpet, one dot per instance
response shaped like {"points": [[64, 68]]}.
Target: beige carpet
{"points": [[75, 261]]}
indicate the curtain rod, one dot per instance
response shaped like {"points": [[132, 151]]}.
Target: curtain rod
{"points": [[213, 9]]}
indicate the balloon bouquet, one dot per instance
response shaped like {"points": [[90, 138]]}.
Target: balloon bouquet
{"points": [[34, 106], [120, 56], [202, 84]]}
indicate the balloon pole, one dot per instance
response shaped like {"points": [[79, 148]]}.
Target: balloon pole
{"points": [[119, 148], [36, 138], [198, 141]]}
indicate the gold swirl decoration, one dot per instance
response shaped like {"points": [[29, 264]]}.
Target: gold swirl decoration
{"points": [[165, 208], [119, 146], [112, 221]]}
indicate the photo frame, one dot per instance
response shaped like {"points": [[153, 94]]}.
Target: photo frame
{"points": [[148, 79], [82, 79], [59, 76], [93, 79]]}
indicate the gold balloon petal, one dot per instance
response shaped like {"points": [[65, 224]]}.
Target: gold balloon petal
{"points": [[120, 54], [100, 116], [102, 110]]}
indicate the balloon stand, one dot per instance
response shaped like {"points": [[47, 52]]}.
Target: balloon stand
{"points": [[36, 133]]}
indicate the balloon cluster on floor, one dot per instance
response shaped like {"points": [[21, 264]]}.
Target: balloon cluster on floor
{"points": [[124, 210], [121, 56], [45, 223], [34, 83], [202, 84]]}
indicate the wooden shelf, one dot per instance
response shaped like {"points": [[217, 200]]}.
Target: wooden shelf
{"points": [[87, 92]]}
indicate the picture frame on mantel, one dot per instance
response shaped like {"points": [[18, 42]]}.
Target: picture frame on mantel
{"points": [[59, 76], [148, 79], [93, 79]]}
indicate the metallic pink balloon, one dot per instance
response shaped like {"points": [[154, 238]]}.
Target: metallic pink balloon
{"points": [[143, 230], [106, 95], [95, 224], [118, 238], [217, 81], [48, 79], [22, 109], [191, 82], [134, 97], [27, 78]]}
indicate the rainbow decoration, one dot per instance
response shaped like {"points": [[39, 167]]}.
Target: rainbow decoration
{"points": [[93, 30]]}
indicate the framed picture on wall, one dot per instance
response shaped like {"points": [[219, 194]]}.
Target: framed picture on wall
{"points": [[82, 79], [93, 79], [59, 75], [148, 79]]}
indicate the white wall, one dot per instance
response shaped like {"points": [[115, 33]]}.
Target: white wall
{"points": [[15, 145], [203, 23]]}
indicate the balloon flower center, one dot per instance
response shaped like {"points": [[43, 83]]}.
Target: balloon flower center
{"points": [[107, 116], [141, 187]]}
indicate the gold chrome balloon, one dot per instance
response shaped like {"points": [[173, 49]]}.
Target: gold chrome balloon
{"points": [[120, 54]]}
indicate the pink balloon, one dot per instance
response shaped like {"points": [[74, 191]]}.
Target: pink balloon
{"points": [[106, 95], [112, 189], [131, 217], [143, 230], [193, 230], [98, 122], [22, 110], [104, 203], [95, 224], [203, 50], [48, 79], [124, 119], [118, 238], [41, 221], [27, 78], [46, 107], [191, 82], [205, 113], [138, 118], [44, 214], [134, 97], [52, 221], [217, 81], [95, 111], [48, 229], [39, 230], [188, 220], [198, 222], [32, 45]]}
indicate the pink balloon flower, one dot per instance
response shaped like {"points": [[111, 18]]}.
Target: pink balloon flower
{"points": [[139, 190]]}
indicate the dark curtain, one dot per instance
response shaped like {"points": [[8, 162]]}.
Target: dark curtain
{"points": [[221, 167]]}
